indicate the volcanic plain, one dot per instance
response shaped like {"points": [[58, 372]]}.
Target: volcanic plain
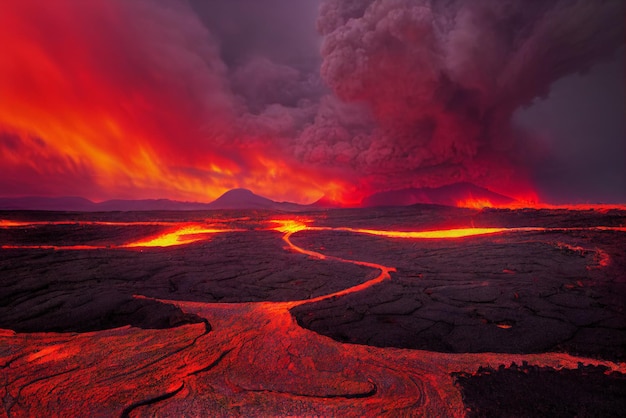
{"points": [[416, 311]]}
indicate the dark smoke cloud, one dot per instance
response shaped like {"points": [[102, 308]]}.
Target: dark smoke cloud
{"points": [[443, 78], [271, 50], [283, 31]]}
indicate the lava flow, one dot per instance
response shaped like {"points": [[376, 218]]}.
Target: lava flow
{"points": [[180, 236], [291, 226], [533, 203], [250, 358], [177, 234]]}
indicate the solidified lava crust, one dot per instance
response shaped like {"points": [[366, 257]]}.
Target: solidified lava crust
{"points": [[66, 290], [515, 293], [531, 391], [232, 318]]}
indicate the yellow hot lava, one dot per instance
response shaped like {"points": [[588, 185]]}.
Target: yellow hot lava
{"points": [[184, 235], [442, 233], [290, 226], [475, 203], [9, 224]]}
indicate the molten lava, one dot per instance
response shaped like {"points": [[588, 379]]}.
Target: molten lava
{"points": [[436, 234], [535, 204], [475, 204], [289, 226], [180, 236], [4, 223], [249, 357]]}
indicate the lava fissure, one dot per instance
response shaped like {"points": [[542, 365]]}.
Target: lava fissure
{"points": [[207, 329], [150, 401], [291, 227], [12, 360], [356, 395], [213, 364], [16, 399], [259, 356]]}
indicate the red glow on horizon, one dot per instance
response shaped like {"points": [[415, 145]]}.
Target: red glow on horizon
{"points": [[91, 107], [483, 203], [475, 203]]}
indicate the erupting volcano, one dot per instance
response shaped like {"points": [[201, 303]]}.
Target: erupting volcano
{"points": [[312, 208]]}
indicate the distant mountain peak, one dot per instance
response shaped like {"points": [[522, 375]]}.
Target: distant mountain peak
{"points": [[239, 199], [449, 195], [325, 202], [235, 199], [239, 192]]}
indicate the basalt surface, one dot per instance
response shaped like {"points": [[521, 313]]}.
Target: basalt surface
{"points": [[522, 292], [233, 318]]}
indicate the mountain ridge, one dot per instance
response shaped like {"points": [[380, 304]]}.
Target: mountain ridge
{"points": [[448, 195], [244, 199]]}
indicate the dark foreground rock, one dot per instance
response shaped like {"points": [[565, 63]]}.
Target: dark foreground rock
{"points": [[525, 292], [213, 328], [531, 391], [89, 290]]}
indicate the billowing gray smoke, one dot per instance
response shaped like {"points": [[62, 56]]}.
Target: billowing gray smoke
{"points": [[436, 82]]}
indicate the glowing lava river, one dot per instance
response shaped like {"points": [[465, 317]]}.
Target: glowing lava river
{"points": [[337, 313]]}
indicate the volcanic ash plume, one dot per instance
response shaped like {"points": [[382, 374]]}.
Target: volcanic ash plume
{"points": [[443, 78]]}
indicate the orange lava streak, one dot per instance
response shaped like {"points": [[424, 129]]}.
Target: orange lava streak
{"points": [[11, 224], [384, 275], [442, 233], [472, 203], [611, 228], [290, 227], [53, 353], [185, 235]]}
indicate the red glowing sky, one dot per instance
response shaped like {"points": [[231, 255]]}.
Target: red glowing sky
{"points": [[186, 100]]}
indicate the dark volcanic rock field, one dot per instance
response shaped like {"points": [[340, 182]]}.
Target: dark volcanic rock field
{"points": [[237, 322], [69, 290], [523, 292]]}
